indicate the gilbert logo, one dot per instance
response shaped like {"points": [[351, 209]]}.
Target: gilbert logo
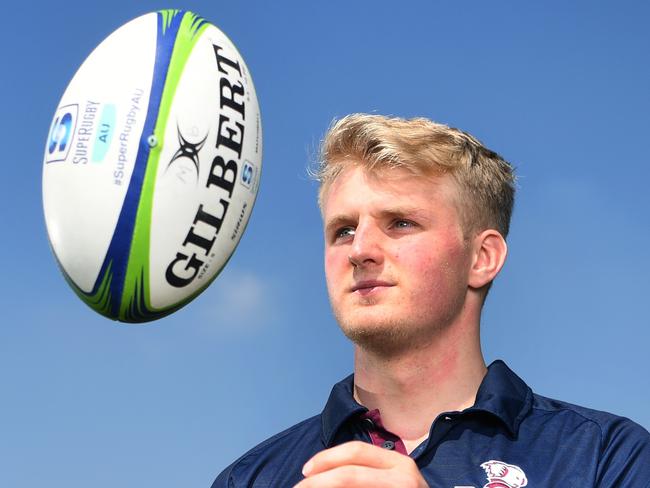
{"points": [[502, 475], [187, 150]]}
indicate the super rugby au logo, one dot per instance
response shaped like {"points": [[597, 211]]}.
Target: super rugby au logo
{"points": [[502, 475], [61, 133], [186, 156]]}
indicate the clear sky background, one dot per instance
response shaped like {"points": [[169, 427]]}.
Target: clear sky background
{"points": [[561, 89]]}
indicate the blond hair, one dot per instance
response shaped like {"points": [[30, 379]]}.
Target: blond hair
{"points": [[485, 180]]}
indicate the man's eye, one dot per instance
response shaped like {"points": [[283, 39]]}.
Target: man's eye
{"points": [[403, 224], [344, 232]]}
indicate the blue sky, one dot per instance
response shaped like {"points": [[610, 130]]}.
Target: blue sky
{"points": [[560, 89]]}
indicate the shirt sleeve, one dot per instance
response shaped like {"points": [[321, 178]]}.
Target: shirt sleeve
{"points": [[224, 480], [625, 458]]}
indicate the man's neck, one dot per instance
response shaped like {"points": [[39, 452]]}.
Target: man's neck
{"points": [[412, 389]]}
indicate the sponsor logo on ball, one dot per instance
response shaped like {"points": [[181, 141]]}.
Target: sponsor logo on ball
{"points": [[105, 129], [187, 150], [59, 140], [247, 174], [185, 267]]}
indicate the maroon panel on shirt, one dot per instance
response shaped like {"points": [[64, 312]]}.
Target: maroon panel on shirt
{"points": [[379, 435]]}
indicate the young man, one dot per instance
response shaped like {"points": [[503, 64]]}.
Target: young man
{"points": [[415, 216]]}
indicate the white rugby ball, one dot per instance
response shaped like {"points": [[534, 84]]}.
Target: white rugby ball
{"points": [[152, 166]]}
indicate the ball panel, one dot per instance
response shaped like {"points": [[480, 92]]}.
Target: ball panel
{"points": [[122, 249], [213, 135], [82, 194], [186, 28]]}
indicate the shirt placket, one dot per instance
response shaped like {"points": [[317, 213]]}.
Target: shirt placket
{"points": [[379, 436]]}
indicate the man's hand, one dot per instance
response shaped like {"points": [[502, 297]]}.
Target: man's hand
{"points": [[359, 464]]}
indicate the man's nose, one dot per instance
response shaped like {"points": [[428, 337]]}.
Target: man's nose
{"points": [[367, 248]]}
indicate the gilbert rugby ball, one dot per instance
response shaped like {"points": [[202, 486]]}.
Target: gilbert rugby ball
{"points": [[152, 165]]}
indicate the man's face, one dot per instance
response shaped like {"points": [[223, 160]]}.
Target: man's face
{"points": [[396, 261]]}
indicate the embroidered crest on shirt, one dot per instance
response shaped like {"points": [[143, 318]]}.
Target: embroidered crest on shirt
{"points": [[502, 475]]}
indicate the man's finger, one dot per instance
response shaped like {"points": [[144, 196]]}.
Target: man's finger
{"points": [[352, 453], [350, 476]]}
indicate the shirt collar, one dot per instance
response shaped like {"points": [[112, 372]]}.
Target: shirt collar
{"points": [[505, 395], [340, 406], [501, 393]]}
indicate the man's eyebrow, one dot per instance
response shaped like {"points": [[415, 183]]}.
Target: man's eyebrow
{"points": [[401, 211], [338, 221]]}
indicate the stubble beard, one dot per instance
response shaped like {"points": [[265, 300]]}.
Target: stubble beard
{"points": [[390, 338]]}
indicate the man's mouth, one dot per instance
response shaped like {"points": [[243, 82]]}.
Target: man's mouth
{"points": [[367, 287]]}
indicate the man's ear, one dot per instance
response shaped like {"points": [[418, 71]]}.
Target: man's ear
{"points": [[489, 254]]}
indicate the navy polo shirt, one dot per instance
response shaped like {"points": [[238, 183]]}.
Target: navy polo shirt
{"points": [[510, 438]]}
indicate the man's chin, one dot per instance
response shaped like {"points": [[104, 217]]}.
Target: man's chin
{"points": [[385, 339]]}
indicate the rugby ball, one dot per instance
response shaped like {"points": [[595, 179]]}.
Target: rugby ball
{"points": [[152, 166]]}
